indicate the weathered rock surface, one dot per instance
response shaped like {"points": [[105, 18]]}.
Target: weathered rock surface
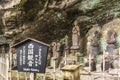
{"points": [[51, 20]]}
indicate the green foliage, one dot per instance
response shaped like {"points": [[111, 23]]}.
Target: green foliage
{"points": [[118, 15]]}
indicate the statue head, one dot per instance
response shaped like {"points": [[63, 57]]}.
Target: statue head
{"points": [[75, 22], [53, 43]]}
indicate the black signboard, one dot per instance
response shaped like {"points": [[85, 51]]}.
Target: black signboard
{"points": [[31, 56]]}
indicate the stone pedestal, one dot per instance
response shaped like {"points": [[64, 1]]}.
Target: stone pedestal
{"points": [[98, 67], [53, 62], [75, 47], [110, 48], [95, 50], [73, 51], [71, 72]]}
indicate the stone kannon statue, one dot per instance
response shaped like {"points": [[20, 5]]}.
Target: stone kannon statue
{"points": [[75, 36], [111, 41]]}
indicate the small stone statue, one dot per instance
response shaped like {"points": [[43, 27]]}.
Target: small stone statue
{"points": [[95, 43], [75, 36], [58, 45], [89, 47], [54, 49], [111, 41], [66, 44], [95, 39], [111, 37]]}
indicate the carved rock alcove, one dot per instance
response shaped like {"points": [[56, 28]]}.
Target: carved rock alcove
{"points": [[113, 25]]}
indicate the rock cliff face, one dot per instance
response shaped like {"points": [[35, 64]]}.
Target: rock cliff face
{"points": [[5, 4], [49, 20]]}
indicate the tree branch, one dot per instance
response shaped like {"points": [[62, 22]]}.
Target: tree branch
{"points": [[44, 9], [64, 4]]}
